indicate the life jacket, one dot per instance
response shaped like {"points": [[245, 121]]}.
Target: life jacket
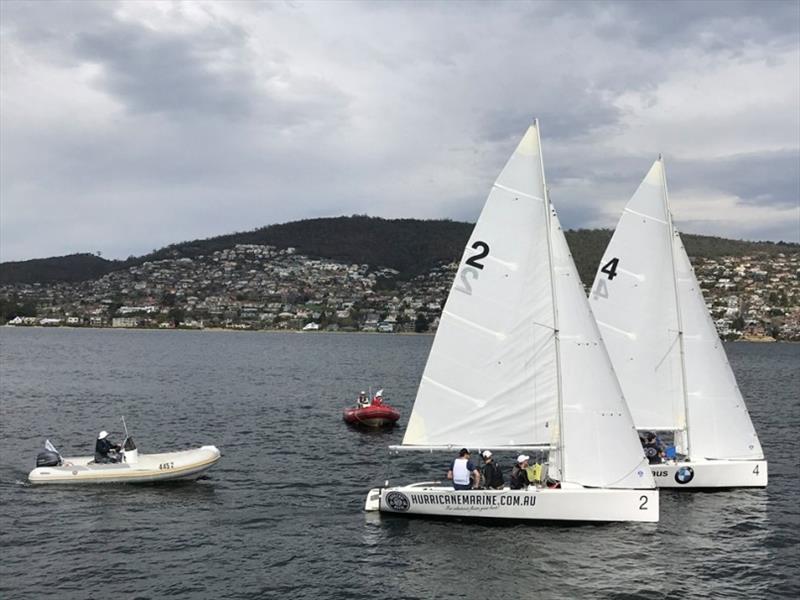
{"points": [[460, 471], [534, 473]]}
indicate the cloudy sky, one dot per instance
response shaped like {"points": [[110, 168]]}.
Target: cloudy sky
{"points": [[125, 126]]}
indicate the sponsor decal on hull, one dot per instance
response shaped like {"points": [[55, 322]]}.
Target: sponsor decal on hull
{"points": [[467, 502], [684, 475]]}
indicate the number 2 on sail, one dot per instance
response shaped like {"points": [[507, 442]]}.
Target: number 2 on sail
{"points": [[473, 268]]}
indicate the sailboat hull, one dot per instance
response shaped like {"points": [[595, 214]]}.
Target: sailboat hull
{"points": [[720, 473], [567, 504]]}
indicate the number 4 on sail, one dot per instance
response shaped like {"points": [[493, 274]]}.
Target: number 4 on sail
{"points": [[667, 354], [518, 364]]}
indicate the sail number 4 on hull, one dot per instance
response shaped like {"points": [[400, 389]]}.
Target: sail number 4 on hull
{"points": [[711, 474]]}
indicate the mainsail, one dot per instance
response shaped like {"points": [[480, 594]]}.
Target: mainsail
{"points": [[517, 359], [659, 334], [491, 378]]}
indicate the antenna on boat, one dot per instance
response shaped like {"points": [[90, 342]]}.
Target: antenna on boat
{"points": [[125, 427]]}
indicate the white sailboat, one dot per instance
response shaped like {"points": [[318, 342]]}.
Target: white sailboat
{"points": [[666, 351], [518, 364]]}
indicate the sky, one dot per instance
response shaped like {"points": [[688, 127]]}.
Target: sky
{"points": [[127, 126]]}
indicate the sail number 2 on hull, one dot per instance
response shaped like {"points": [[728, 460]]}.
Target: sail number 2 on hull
{"points": [[472, 268]]}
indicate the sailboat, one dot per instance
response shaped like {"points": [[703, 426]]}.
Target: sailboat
{"points": [[666, 351], [518, 364]]}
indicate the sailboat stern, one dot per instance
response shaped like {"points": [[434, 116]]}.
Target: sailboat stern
{"points": [[534, 504], [705, 474], [373, 501]]}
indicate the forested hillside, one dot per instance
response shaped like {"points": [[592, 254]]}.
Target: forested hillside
{"points": [[410, 246]]}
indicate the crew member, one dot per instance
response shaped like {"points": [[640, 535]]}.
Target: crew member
{"points": [[491, 474], [653, 448], [519, 474], [462, 470], [103, 447], [363, 400]]}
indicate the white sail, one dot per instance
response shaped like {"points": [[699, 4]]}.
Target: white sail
{"points": [[719, 424], [601, 447], [633, 300], [644, 295], [490, 380], [515, 334]]}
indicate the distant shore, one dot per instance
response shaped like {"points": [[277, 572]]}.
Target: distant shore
{"points": [[749, 338], [210, 329]]}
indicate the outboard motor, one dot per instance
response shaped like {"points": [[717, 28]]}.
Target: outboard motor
{"points": [[45, 458], [129, 452], [49, 457]]}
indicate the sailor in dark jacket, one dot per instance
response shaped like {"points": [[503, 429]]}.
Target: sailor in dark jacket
{"points": [[103, 447], [519, 476], [491, 474], [653, 448]]}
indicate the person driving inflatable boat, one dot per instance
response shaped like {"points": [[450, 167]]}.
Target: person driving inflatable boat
{"points": [[103, 447]]}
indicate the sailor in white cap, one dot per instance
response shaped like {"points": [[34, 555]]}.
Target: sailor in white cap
{"points": [[491, 474], [103, 447], [519, 476]]}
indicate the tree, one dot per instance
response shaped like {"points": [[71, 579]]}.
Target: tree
{"points": [[175, 316], [421, 324]]}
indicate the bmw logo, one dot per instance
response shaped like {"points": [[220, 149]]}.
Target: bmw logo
{"points": [[398, 501], [684, 475]]}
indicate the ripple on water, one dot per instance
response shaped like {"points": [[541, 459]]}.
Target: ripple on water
{"points": [[281, 514]]}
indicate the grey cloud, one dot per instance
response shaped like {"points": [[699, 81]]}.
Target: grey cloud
{"points": [[154, 71], [714, 26], [765, 179], [205, 145]]}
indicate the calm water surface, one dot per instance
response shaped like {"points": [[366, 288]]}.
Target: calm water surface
{"points": [[281, 515]]}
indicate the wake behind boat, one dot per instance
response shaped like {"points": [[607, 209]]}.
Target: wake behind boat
{"points": [[518, 364], [132, 467], [667, 354]]}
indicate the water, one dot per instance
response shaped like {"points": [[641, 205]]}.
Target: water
{"points": [[281, 514]]}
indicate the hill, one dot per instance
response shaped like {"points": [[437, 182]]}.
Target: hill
{"points": [[410, 246]]}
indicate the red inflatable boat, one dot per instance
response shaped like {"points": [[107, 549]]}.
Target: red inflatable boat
{"points": [[371, 413]]}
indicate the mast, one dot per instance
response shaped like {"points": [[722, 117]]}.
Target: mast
{"points": [[548, 210], [677, 306]]}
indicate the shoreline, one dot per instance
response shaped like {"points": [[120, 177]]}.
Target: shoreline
{"points": [[749, 339], [211, 329]]}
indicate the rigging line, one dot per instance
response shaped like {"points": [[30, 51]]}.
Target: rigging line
{"points": [[673, 233], [667, 353]]}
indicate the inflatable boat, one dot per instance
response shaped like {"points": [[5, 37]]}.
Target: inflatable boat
{"points": [[371, 413], [52, 468]]}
